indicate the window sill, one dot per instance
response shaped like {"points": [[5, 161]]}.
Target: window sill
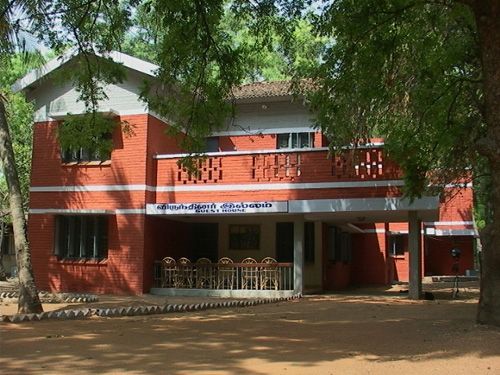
{"points": [[82, 262], [87, 163]]}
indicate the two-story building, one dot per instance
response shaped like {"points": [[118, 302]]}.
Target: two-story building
{"points": [[267, 197]]}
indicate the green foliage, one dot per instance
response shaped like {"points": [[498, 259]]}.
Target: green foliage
{"points": [[205, 49], [88, 131], [20, 119], [408, 71]]}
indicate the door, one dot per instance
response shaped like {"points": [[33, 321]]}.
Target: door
{"points": [[337, 259], [205, 241], [284, 242]]}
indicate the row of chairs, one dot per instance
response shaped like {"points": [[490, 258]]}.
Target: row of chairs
{"points": [[221, 275]]}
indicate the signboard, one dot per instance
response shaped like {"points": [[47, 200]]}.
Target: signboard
{"points": [[216, 208]]}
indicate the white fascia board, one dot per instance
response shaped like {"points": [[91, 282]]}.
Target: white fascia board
{"points": [[71, 211], [213, 188], [281, 186], [245, 152], [255, 132], [130, 62], [451, 232], [37, 74], [260, 152], [89, 188], [86, 211], [134, 63], [450, 223], [362, 204], [61, 115]]}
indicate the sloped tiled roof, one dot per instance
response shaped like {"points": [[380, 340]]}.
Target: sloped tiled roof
{"points": [[263, 90]]}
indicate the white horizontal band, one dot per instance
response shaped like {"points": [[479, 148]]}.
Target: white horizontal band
{"points": [[451, 223], [218, 187], [282, 186], [84, 211], [89, 188], [451, 232], [464, 185], [261, 152]]}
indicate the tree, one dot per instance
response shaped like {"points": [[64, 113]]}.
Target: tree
{"points": [[94, 27], [426, 75], [19, 116]]}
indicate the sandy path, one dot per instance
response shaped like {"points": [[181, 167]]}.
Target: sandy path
{"points": [[336, 334]]}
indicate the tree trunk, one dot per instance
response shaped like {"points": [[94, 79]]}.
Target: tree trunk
{"points": [[28, 302], [487, 15], [3, 274]]}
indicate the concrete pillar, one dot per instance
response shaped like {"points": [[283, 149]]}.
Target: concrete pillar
{"points": [[414, 241], [298, 255]]}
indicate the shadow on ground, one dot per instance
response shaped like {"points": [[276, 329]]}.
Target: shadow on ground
{"points": [[301, 333]]}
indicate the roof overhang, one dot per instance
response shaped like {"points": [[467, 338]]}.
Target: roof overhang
{"points": [[129, 62]]}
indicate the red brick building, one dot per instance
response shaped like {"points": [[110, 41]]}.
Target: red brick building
{"points": [[266, 188]]}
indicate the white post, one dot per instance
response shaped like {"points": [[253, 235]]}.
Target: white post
{"points": [[415, 263], [298, 255]]}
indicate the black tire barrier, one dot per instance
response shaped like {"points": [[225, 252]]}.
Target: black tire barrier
{"points": [[47, 297], [135, 310]]}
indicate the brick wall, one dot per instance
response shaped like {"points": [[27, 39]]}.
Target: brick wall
{"points": [[120, 273], [438, 257], [128, 149], [369, 261], [135, 241]]}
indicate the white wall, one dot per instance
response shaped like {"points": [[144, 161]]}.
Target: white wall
{"points": [[267, 238], [268, 117], [53, 96]]}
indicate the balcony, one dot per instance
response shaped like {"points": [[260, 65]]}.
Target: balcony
{"points": [[279, 166]]}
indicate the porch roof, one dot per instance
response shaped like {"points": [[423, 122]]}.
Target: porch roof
{"points": [[393, 209]]}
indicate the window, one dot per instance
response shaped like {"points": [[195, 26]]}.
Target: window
{"points": [[296, 140], [309, 242], [397, 244], [339, 244], [212, 144], [244, 237], [82, 237], [84, 154]]}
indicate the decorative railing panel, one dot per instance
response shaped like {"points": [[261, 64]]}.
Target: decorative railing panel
{"points": [[276, 167], [311, 165], [364, 164], [208, 170], [234, 276]]}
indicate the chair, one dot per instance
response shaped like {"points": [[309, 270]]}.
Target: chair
{"points": [[269, 274], [204, 273], [226, 273], [168, 272], [184, 273], [249, 274]]}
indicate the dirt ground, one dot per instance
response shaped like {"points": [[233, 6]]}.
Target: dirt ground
{"points": [[359, 332]]}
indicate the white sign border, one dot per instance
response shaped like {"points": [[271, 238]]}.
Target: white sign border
{"points": [[217, 208]]}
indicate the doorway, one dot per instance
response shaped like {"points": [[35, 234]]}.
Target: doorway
{"points": [[205, 241], [284, 242]]}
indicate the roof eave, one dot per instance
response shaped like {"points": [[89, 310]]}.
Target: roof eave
{"points": [[36, 75]]}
